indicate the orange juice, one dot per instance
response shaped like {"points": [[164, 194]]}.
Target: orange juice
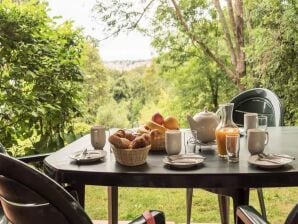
{"points": [[220, 135]]}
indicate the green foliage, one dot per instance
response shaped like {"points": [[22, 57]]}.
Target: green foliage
{"points": [[96, 87], [39, 76], [272, 52]]}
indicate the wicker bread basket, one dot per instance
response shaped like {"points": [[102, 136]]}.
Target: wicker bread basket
{"points": [[131, 157], [158, 143]]}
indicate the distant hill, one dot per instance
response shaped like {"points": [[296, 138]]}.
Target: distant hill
{"points": [[125, 65]]}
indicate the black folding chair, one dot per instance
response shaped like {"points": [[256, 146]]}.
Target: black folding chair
{"points": [[28, 196]]}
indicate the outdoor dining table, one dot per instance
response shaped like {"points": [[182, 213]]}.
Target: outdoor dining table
{"points": [[213, 173]]}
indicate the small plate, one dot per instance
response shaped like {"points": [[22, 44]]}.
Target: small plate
{"points": [[254, 159], [90, 157], [183, 162]]}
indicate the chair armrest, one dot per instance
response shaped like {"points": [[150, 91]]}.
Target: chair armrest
{"points": [[158, 216], [33, 158], [249, 215]]}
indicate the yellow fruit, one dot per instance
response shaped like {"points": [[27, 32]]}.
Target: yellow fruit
{"points": [[152, 125], [171, 122]]}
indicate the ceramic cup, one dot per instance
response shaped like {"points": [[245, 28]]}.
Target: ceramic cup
{"points": [[257, 139], [173, 142], [98, 136], [250, 121]]}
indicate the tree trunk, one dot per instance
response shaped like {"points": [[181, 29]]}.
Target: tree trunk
{"points": [[234, 39], [240, 67]]}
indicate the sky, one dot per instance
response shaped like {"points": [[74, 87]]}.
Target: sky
{"points": [[132, 46]]}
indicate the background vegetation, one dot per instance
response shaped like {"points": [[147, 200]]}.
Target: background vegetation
{"points": [[54, 86]]}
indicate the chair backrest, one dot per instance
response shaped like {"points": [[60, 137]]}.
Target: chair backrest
{"points": [[29, 196], [261, 101], [293, 216]]}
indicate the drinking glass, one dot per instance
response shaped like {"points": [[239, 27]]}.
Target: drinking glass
{"points": [[98, 137], [190, 141], [262, 122], [233, 147]]}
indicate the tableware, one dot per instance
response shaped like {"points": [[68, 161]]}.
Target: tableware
{"points": [[257, 139], [242, 132], [268, 163], [131, 157], [272, 155], [225, 127], [190, 141], [98, 136], [262, 122], [173, 158], [205, 124], [88, 156], [183, 162], [173, 142], [250, 121], [233, 147]]}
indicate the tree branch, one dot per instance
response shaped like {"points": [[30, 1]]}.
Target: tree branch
{"points": [[226, 31], [202, 45], [133, 26], [233, 25], [141, 16]]}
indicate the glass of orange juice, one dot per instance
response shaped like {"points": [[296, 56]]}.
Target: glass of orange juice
{"points": [[233, 147]]}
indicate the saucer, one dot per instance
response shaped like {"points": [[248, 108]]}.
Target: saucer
{"points": [[90, 157], [183, 162], [276, 162]]}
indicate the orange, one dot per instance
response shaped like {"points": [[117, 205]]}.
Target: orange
{"points": [[171, 122]]}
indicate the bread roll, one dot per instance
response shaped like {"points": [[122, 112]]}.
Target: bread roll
{"points": [[121, 143], [139, 142], [130, 136], [147, 137], [120, 133]]}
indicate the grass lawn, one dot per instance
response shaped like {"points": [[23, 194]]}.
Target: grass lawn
{"points": [[133, 201]]}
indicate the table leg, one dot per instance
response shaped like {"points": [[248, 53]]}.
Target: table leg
{"points": [[113, 205], [224, 205], [80, 190], [240, 197]]}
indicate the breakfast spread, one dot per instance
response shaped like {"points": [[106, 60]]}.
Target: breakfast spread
{"points": [[126, 140]]}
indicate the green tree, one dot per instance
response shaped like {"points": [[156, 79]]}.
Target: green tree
{"points": [[272, 51], [96, 87], [39, 76], [189, 18]]}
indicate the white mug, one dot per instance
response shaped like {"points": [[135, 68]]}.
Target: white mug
{"points": [[250, 121], [256, 140], [98, 137], [173, 142]]}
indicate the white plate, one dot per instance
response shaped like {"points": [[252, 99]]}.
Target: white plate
{"points": [[183, 162], [92, 156], [254, 159]]}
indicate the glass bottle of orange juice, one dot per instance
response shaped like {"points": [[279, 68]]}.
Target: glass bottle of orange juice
{"points": [[225, 126]]}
